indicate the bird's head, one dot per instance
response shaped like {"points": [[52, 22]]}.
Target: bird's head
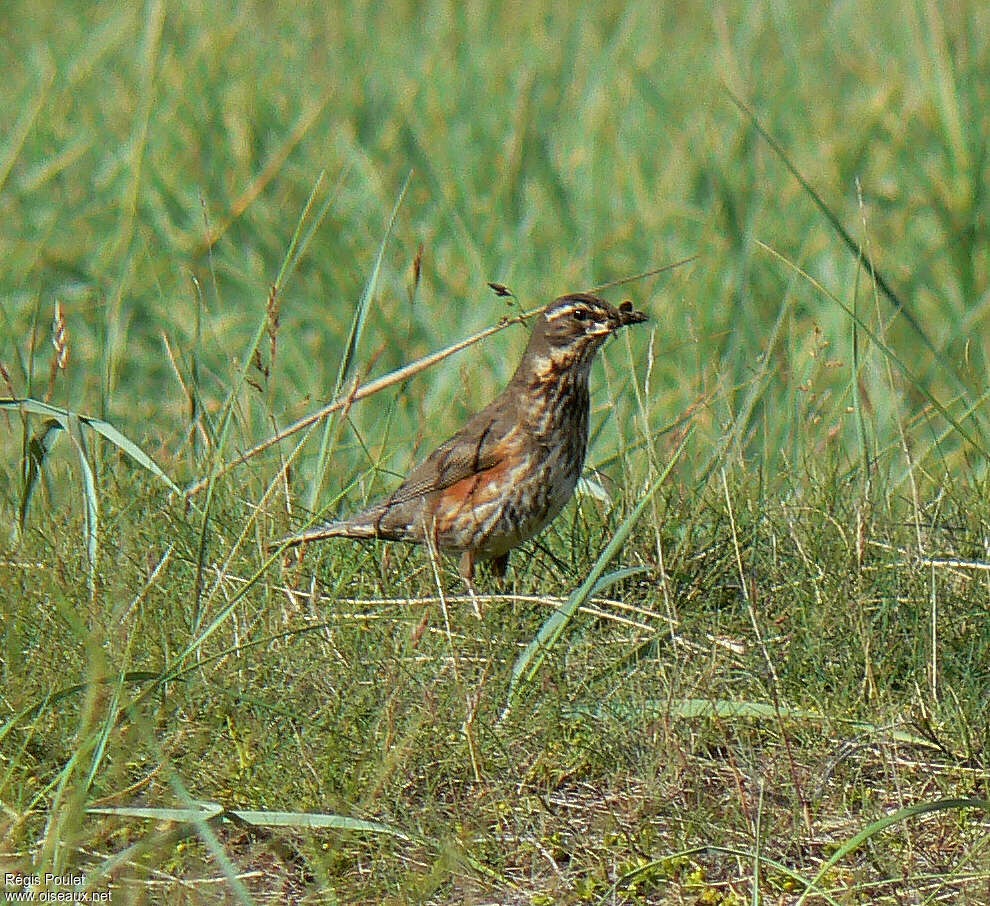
{"points": [[571, 329]]}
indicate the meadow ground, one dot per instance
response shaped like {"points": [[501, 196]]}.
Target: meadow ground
{"points": [[751, 664]]}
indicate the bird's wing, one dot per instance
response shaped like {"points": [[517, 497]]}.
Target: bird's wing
{"points": [[479, 446]]}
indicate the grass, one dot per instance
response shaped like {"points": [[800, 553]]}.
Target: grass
{"points": [[778, 692]]}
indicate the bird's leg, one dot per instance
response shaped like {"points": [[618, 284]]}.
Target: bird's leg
{"points": [[466, 569], [500, 565]]}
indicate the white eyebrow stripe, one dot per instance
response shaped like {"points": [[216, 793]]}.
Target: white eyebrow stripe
{"points": [[565, 310]]}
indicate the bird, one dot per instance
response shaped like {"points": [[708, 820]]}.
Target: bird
{"points": [[513, 467]]}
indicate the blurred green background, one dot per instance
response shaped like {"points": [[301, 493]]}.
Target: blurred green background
{"points": [[551, 149]]}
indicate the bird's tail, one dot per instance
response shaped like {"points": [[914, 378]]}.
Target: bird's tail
{"points": [[359, 527]]}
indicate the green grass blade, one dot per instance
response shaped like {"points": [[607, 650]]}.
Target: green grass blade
{"points": [[835, 223], [38, 448], [300, 241], [53, 698], [887, 351], [37, 407], [312, 820], [207, 813], [528, 663], [292, 254], [294, 251], [73, 426], [298, 820], [862, 257], [17, 132], [871, 830], [727, 709], [653, 865], [350, 349]]}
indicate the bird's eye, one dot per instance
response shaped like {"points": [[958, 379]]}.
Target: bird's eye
{"points": [[580, 314]]}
